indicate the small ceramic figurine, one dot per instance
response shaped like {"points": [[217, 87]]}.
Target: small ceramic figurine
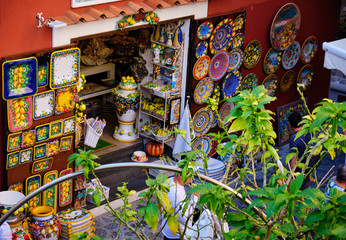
{"points": [[178, 37], [157, 50], [170, 34], [162, 34]]}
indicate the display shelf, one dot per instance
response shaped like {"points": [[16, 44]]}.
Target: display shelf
{"points": [[143, 134], [165, 45], [166, 67], [95, 93], [155, 115]]}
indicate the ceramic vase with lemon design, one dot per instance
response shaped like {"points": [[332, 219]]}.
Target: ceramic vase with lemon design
{"points": [[126, 100]]}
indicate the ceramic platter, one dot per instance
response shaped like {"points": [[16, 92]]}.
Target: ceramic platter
{"points": [[19, 113], [222, 36], [65, 65], [249, 82], [31, 184], [65, 100], [252, 54], [239, 23], [203, 90], [201, 49], [237, 41], [230, 84], [309, 49], [271, 83], [44, 104], [224, 112], [204, 144], [204, 30], [200, 69], [50, 196], [216, 169], [42, 74], [272, 61], [290, 56], [285, 26], [42, 165], [219, 65], [202, 120], [19, 78], [65, 189], [287, 81], [305, 76], [236, 59]]}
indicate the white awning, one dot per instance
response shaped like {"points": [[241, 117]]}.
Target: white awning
{"points": [[335, 56]]}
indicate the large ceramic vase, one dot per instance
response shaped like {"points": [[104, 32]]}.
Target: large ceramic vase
{"points": [[126, 100], [44, 224]]}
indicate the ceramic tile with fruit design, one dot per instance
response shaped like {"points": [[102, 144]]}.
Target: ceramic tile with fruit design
{"points": [[55, 129], [50, 195], [52, 148], [40, 151], [42, 78], [28, 138], [69, 125], [19, 78], [42, 165], [65, 66], [42, 132], [31, 184], [18, 187], [14, 141], [19, 113], [12, 160], [65, 189], [25, 155], [44, 104], [65, 100], [66, 143]]}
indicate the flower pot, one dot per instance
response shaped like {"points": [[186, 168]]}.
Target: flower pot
{"points": [[44, 224]]}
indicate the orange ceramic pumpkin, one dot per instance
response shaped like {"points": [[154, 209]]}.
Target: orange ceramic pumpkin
{"points": [[154, 149]]}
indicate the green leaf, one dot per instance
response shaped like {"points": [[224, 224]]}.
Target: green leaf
{"points": [[173, 224], [273, 151], [151, 216], [96, 197], [86, 172], [296, 184], [287, 227], [259, 192], [237, 125], [314, 217], [164, 198], [236, 217], [339, 231]]}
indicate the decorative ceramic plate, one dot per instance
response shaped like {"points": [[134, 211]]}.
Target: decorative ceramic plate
{"points": [[44, 104], [252, 54], [65, 66], [214, 124], [238, 41], [271, 83], [239, 23], [65, 189], [55, 129], [219, 65], [202, 120], [201, 49], [204, 30], [203, 143], [19, 114], [222, 36], [249, 82], [287, 81], [285, 26], [309, 49], [50, 196], [200, 69], [203, 90], [236, 59], [14, 141], [31, 184], [66, 143], [19, 78], [18, 187], [28, 138], [216, 93], [272, 61], [42, 132], [52, 148], [231, 84], [305, 76], [42, 165], [12, 160], [291, 56], [40, 151], [65, 100], [42, 78], [25, 155], [224, 112], [69, 125]]}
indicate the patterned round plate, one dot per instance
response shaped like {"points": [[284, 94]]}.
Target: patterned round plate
{"points": [[239, 23], [285, 26], [203, 143], [305, 76], [222, 36], [204, 30], [219, 65], [231, 84], [236, 59], [252, 54], [272, 61], [309, 49], [249, 82], [201, 121], [224, 112], [238, 41], [203, 90], [287, 81], [200, 69], [291, 56], [271, 83], [201, 49]]}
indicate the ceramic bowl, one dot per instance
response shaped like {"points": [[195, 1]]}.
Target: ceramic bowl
{"points": [[139, 156]]}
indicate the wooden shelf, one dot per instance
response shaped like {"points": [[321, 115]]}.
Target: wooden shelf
{"points": [[167, 46], [164, 66], [94, 90]]}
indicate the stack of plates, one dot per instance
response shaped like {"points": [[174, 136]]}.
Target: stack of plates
{"points": [[216, 169]]}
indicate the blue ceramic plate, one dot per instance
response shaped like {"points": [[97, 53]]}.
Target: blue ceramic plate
{"points": [[201, 49], [202, 120], [230, 84], [203, 143]]}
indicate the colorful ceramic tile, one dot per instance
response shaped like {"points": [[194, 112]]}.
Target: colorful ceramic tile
{"points": [[18, 187], [50, 196], [65, 100], [66, 143], [40, 151], [204, 30], [31, 184], [219, 65], [42, 165], [309, 49], [52, 148], [69, 125], [19, 114], [25, 155], [252, 54], [14, 141], [44, 104], [203, 90], [19, 78], [65, 66], [222, 36], [42, 132], [28, 138], [42, 78], [12, 160], [65, 189], [55, 129]]}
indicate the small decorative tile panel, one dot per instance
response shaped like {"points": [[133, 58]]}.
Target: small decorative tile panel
{"points": [[50, 196], [65, 100], [44, 104], [65, 189], [55, 129], [25, 155], [40, 151], [31, 184], [42, 78], [42, 132], [69, 125], [14, 141], [52, 148], [28, 138], [19, 114], [42, 165], [12, 160], [65, 143], [18, 187]]}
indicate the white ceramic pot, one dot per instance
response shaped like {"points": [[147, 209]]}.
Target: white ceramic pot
{"points": [[7, 200]]}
